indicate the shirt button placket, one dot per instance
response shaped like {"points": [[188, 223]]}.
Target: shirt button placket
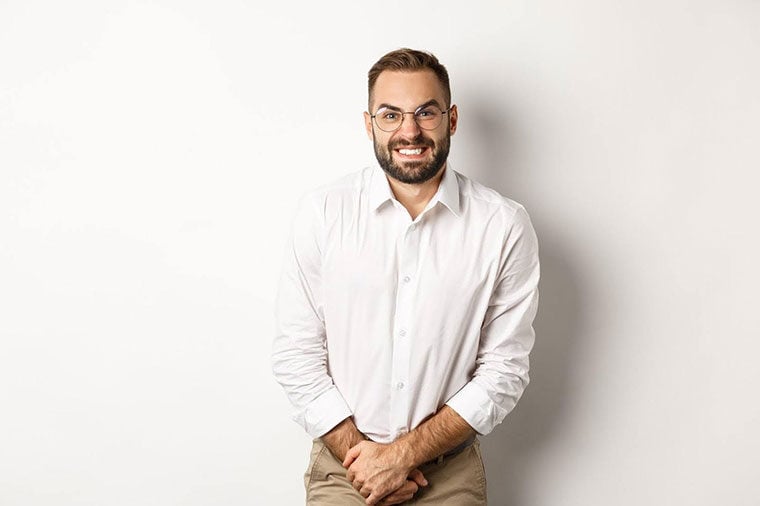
{"points": [[405, 297]]}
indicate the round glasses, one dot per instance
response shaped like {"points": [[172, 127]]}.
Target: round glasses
{"points": [[428, 117]]}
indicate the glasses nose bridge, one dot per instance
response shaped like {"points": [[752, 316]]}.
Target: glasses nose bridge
{"points": [[413, 122]]}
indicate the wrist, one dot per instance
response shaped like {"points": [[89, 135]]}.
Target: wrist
{"points": [[342, 438], [405, 453]]}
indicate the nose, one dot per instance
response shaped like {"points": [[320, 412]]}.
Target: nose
{"points": [[409, 126]]}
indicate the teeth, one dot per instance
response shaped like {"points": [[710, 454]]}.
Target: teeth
{"points": [[410, 151]]}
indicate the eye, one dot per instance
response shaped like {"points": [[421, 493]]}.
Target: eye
{"points": [[427, 113], [389, 115]]}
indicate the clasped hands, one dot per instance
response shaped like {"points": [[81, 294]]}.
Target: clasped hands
{"points": [[382, 473]]}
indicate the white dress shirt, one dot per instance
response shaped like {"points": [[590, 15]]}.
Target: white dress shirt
{"points": [[387, 318]]}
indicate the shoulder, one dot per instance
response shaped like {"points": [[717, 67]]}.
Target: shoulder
{"points": [[345, 187], [340, 196], [482, 201], [505, 218]]}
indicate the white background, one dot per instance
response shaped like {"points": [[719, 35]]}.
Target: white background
{"points": [[151, 156]]}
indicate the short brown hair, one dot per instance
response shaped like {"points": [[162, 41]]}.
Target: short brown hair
{"points": [[408, 60]]}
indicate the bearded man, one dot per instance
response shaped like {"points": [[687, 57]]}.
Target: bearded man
{"points": [[405, 308]]}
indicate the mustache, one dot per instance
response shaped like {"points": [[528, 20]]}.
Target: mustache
{"points": [[417, 141]]}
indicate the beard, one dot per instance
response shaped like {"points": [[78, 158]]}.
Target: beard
{"points": [[413, 172]]}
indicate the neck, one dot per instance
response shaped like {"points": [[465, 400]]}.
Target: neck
{"points": [[414, 197]]}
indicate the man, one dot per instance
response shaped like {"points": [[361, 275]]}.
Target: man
{"points": [[405, 309]]}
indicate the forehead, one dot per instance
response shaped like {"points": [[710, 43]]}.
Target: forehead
{"points": [[407, 89]]}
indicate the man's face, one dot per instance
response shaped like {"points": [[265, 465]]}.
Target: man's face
{"points": [[410, 154]]}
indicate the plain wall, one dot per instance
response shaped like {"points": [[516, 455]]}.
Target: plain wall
{"points": [[151, 156]]}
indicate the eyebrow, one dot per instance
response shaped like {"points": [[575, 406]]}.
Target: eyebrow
{"points": [[395, 108]]}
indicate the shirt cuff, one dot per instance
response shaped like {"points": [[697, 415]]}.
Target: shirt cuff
{"points": [[474, 405], [324, 413]]}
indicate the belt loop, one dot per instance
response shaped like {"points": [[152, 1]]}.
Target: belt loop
{"points": [[440, 459]]}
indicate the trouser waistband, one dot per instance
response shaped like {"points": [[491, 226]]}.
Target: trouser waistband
{"points": [[454, 451]]}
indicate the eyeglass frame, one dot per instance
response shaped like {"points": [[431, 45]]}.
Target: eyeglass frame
{"points": [[413, 113]]}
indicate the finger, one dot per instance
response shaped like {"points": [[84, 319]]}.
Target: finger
{"points": [[351, 455], [374, 498], [409, 487], [417, 477], [405, 493], [400, 500], [395, 499]]}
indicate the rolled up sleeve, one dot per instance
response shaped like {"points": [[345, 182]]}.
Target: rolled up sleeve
{"points": [[299, 353], [507, 335]]}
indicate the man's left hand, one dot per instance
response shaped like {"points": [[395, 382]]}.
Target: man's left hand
{"points": [[376, 470]]}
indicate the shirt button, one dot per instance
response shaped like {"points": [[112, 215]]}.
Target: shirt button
{"points": [[407, 279], [412, 226], [402, 332], [400, 385]]}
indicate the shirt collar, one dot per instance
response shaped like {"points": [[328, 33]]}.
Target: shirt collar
{"points": [[447, 194], [448, 190]]}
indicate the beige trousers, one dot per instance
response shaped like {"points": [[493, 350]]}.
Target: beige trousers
{"points": [[458, 480]]}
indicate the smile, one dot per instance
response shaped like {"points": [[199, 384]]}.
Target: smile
{"points": [[412, 152]]}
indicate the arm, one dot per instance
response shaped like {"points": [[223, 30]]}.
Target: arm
{"points": [[435, 436], [506, 336], [299, 356], [343, 437]]}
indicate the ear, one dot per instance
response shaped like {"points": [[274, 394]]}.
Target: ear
{"points": [[368, 125], [453, 119]]}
